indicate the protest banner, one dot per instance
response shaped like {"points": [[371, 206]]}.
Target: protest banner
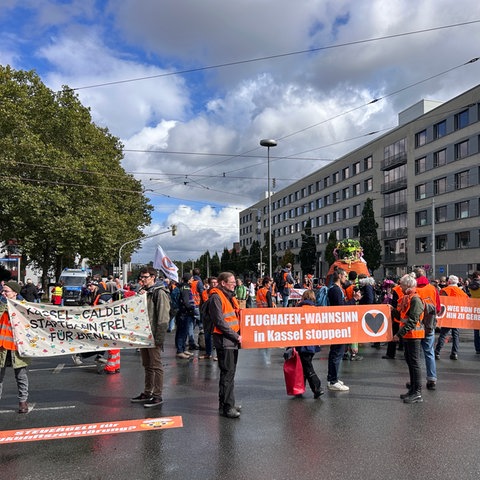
{"points": [[459, 312], [290, 327], [42, 330], [89, 429]]}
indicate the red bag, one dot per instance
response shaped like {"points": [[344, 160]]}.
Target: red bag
{"points": [[293, 371]]}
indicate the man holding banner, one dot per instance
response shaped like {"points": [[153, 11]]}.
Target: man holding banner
{"points": [[158, 306]]}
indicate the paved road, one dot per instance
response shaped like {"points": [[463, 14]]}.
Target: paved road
{"points": [[367, 433]]}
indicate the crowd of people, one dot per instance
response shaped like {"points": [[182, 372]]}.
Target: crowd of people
{"points": [[178, 308]]}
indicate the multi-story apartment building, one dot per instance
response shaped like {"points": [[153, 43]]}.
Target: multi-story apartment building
{"points": [[424, 179]]}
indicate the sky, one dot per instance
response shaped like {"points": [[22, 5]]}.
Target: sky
{"points": [[191, 87]]}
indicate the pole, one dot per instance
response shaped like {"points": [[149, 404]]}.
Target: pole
{"points": [[433, 238], [269, 143]]}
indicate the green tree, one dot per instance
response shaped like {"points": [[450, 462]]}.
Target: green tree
{"points": [[288, 257], [331, 245], [225, 261], [254, 258], [215, 265], [308, 250], [64, 193], [372, 249]]}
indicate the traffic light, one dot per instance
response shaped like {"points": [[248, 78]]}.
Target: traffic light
{"points": [[174, 230]]}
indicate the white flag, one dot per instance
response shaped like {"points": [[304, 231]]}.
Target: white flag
{"points": [[163, 263]]}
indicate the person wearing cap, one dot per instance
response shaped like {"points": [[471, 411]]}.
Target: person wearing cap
{"points": [[8, 350], [286, 283]]}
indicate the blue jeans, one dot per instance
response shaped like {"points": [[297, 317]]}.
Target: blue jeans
{"points": [[443, 335], [208, 343], [476, 340], [285, 297], [181, 332], [190, 330], [429, 354], [335, 356]]}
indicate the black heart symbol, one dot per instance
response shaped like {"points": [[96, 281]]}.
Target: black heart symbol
{"points": [[374, 322]]}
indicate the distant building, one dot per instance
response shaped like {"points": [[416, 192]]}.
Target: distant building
{"points": [[423, 178]]}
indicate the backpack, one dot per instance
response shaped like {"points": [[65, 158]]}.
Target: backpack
{"points": [[321, 297], [429, 315], [207, 320], [279, 280]]}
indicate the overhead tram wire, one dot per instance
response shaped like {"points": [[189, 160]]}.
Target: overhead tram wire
{"points": [[281, 55]]}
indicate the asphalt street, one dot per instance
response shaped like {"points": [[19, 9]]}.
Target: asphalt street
{"points": [[366, 433]]}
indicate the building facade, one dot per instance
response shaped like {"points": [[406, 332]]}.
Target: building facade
{"points": [[424, 179]]}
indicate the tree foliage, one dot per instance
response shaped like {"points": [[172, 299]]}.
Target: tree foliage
{"points": [[372, 249], [308, 250], [64, 192], [331, 245]]}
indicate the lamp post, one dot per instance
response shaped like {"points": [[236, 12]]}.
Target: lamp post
{"points": [[269, 143], [173, 229]]}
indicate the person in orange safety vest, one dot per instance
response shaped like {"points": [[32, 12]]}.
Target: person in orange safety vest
{"points": [[411, 330]]}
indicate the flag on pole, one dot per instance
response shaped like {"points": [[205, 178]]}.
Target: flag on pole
{"points": [[163, 263]]}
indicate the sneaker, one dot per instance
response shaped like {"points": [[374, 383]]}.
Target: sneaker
{"points": [[100, 359], [388, 357], [338, 386], [190, 354], [437, 356], [318, 393], [183, 355], [431, 385], [142, 398], [77, 360], [205, 357], [403, 396], [154, 402], [231, 413], [453, 356], [355, 357], [413, 398]]}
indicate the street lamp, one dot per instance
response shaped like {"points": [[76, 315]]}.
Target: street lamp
{"points": [[173, 229], [269, 143]]}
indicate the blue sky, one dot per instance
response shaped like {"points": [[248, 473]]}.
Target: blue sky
{"points": [[191, 132]]}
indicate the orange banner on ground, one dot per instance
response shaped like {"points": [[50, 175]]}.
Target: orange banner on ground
{"points": [[300, 326], [459, 312], [89, 429]]}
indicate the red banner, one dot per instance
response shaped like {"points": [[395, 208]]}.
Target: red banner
{"points": [[290, 327], [89, 429]]}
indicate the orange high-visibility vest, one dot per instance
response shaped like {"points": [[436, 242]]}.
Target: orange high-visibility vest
{"points": [[404, 307], [196, 295], [6, 333], [453, 291], [229, 311], [261, 298]]}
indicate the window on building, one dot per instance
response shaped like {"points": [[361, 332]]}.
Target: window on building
{"points": [[461, 149], [319, 221], [356, 189], [462, 210], [440, 158], [326, 182], [441, 242], [335, 178], [420, 191], [319, 203], [291, 198], [462, 239], [441, 214], [327, 200], [335, 197], [304, 192], [420, 165], [368, 163], [421, 244], [346, 213], [336, 216], [346, 173], [462, 180], [356, 168], [461, 120], [420, 138], [440, 129], [368, 185], [328, 218], [421, 218], [345, 233], [311, 206], [355, 231], [311, 189], [440, 186], [356, 211], [346, 193]]}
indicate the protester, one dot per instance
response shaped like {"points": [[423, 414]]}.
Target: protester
{"points": [[8, 350], [336, 297], [57, 294], [158, 308], [450, 290], [224, 310], [307, 352], [411, 330], [185, 316], [29, 291], [241, 292], [474, 290], [285, 283], [212, 283], [428, 293]]}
